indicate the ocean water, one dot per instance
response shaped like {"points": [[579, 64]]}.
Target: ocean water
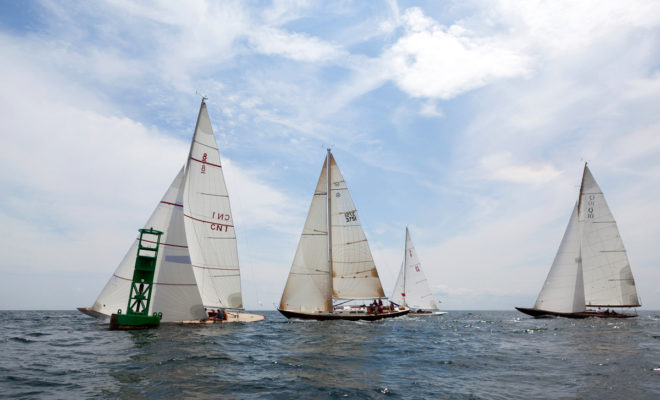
{"points": [[461, 355]]}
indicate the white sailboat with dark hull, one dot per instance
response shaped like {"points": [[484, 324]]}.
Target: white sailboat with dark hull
{"points": [[591, 271], [333, 264], [197, 274], [412, 288]]}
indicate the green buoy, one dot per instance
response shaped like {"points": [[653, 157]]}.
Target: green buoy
{"points": [[137, 312]]}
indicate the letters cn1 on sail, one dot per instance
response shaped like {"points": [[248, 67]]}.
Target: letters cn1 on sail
{"points": [[608, 279], [209, 223], [353, 269], [175, 290], [308, 286]]}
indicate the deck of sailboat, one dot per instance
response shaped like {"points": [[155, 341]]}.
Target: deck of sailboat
{"points": [[578, 315], [343, 315]]}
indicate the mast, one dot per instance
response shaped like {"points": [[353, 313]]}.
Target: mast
{"points": [[329, 219], [581, 188], [405, 267]]}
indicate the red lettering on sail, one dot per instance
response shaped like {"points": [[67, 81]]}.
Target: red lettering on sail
{"points": [[204, 163]]}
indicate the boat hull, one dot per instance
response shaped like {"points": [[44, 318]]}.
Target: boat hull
{"points": [[353, 316], [536, 313], [129, 322], [425, 313], [232, 316], [93, 313]]}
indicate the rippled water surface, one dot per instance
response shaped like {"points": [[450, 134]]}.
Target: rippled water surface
{"points": [[461, 355]]}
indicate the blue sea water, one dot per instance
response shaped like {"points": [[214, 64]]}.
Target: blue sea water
{"points": [[461, 355]]}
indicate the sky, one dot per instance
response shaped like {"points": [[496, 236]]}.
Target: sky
{"points": [[467, 121]]}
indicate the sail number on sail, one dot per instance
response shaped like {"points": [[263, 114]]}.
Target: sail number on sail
{"points": [[590, 210], [221, 217]]}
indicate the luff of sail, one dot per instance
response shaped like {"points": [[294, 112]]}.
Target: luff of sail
{"points": [[563, 290], [608, 279], [308, 285], [412, 282], [174, 277], [353, 268], [209, 221]]}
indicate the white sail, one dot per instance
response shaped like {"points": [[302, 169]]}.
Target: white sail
{"points": [[175, 292], [608, 279], [412, 288], [354, 271], [563, 290], [308, 286], [167, 218], [209, 223]]}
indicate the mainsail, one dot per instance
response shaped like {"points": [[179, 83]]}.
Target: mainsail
{"points": [[209, 223], [608, 279], [353, 269], [342, 251], [175, 290], [412, 288]]}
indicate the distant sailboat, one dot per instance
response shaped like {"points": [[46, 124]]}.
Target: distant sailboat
{"points": [[333, 261], [591, 268], [412, 288], [197, 275]]}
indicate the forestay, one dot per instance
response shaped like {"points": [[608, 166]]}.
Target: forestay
{"points": [[209, 223]]}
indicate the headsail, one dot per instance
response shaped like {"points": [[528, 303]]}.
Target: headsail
{"points": [[308, 285], [172, 267], [209, 223], [175, 289], [412, 288], [353, 268], [608, 279], [563, 290]]}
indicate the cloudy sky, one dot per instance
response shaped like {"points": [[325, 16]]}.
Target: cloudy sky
{"points": [[467, 121]]}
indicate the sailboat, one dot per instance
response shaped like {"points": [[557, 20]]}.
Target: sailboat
{"points": [[412, 288], [333, 264], [591, 270], [197, 274]]}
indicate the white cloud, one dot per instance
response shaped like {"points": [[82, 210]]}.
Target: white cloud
{"points": [[439, 62], [499, 167]]}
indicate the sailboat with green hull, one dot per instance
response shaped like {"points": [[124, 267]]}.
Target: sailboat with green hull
{"points": [[193, 264]]}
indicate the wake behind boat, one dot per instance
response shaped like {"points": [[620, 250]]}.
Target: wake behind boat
{"points": [[591, 271], [333, 262], [196, 274]]}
